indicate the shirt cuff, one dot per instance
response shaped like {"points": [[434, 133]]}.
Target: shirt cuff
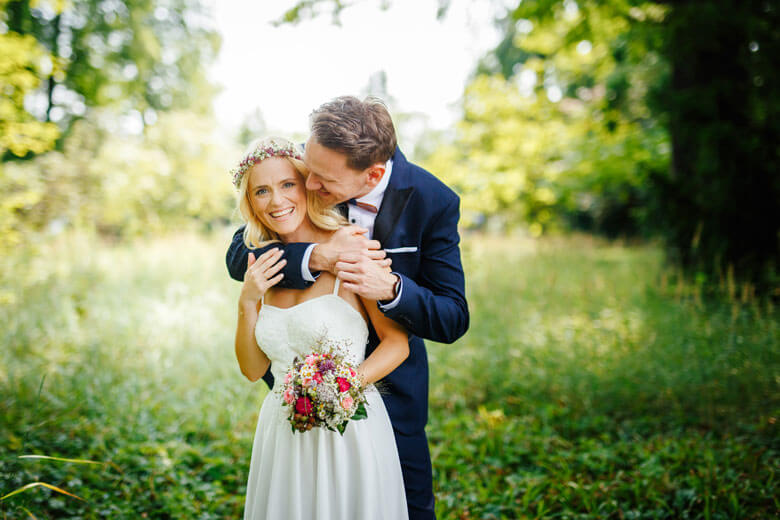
{"points": [[305, 273], [387, 306]]}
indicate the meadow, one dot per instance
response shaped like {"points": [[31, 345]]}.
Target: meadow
{"points": [[593, 383]]}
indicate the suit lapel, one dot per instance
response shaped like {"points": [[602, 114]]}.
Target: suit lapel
{"points": [[393, 206], [395, 200]]}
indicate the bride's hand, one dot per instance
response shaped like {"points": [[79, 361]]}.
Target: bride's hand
{"points": [[261, 275]]}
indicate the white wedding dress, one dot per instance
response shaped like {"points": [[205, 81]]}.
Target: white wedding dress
{"points": [[320, 474]]}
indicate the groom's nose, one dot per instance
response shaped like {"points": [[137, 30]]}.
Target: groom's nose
{"points": [[312, 183]]}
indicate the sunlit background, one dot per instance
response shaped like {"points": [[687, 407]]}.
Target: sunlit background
{"points": [[420, 63], [617, 166]]}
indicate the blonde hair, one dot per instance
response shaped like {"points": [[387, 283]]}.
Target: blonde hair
{"points": [[256, 234]]}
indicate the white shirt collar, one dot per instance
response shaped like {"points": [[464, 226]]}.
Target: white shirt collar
{"points": [[375, 196]]}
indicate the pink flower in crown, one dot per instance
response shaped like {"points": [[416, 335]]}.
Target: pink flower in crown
{"points": [[311, 359], [347, 402], [270, 147], [289, 396], [288, 378]]}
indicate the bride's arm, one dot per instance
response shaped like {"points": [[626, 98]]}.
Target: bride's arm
{"points": [[393, 346], [260, 276]]}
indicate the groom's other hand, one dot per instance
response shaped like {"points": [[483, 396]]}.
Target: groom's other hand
{"points": [[365, 276], [347, 239]]}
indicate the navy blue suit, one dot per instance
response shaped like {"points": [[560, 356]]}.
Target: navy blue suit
{"points": [[418, 219]]}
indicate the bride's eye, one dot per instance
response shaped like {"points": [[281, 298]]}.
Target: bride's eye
{"points": [[288, 184], [261, 191]]}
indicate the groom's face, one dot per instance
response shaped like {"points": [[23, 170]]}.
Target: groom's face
{"points": [[330, 176]]}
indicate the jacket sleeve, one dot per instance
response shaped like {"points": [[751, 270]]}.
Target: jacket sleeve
{"points": [[236, 259], [434, 305]]}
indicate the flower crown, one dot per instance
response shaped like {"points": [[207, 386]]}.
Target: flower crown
{"points": [[265, 149]]}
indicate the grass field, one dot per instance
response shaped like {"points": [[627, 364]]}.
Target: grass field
{"points": [[592, 383]]}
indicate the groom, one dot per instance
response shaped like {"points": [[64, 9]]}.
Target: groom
{"points": [[354, 163]]}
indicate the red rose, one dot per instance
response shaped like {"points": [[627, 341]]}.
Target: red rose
{"points": [[303, 405], [343, 384]]}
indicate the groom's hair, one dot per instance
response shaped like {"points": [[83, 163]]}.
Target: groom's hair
{"points": [[362, 130]]}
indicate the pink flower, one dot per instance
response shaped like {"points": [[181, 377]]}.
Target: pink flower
{"points": [[311, 359], [347, 402], [343, 384], [351, 372], [289, 396], [288, 377], [318, 377], [303, 405]]}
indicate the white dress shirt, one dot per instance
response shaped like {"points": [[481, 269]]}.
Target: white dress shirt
{"points": [[363, 218]]}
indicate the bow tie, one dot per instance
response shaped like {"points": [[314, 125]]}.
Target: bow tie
{"points": [[362, 205]]}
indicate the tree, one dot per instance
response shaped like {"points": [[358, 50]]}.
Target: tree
{"points": [[117, 67], [20, 133], [720, 200], [558, 127], [133, 56]]}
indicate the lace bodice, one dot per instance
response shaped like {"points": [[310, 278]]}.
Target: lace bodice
{"points": [[284, 333]]}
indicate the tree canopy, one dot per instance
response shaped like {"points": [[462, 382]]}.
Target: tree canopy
{"points": [[92, 89], [133, 56]]}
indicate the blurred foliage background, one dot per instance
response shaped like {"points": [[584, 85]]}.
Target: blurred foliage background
{"points": [[655, 123], [622, 118]]}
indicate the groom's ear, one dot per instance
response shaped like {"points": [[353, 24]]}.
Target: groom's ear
{"points": [[375, 173]]}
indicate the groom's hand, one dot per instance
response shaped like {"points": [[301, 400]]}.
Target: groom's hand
{"points": [[349, 239], [365, 276]]}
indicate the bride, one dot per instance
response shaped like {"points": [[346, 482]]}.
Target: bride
{"points": [[318, 474]]}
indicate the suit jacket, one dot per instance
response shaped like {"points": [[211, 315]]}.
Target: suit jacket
{"points": [[417, 225]]}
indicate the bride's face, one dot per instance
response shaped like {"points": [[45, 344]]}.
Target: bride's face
{"points": [[278, 196]]}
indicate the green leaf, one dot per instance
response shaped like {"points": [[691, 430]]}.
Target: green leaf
{"points": [[360, 413]]}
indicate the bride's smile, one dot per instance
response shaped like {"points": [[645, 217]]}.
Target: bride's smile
{"points": [[282, 213]]}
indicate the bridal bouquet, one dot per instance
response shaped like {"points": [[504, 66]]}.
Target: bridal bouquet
{"points": [[323, 390]]}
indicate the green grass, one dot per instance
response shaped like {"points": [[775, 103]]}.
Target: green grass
{"points": [[593, 383]]}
